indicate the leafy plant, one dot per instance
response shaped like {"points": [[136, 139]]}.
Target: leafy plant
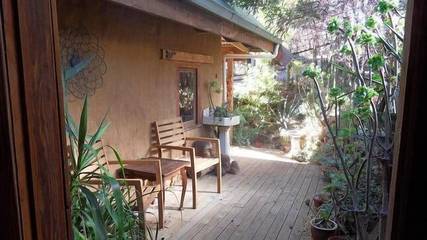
{"points": [[222, 111], [323, 215], [101, 207], [213, 87], [364, 106], [268, 105]]}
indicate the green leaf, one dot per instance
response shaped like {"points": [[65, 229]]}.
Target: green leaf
{"points": [[376, 77], [362, 95], [96, 217], [312, 72], [341, 101], [376, 62], [366, 38], [333, 25], [384, 6], [345, 50], [83, 127], [348, 28], [335, 92], [371, 23], [325, 211], [348, 115], [99, 132], [346, 132], [70, 125]]}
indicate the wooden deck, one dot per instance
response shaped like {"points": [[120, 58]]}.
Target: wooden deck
{"points": [[264, 201]]}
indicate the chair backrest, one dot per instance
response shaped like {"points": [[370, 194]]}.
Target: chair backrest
{"points": [[170, 132], [149, 190], [102, 155], [101, 158]]}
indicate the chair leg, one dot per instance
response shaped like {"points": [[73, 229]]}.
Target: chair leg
{"points": [[184, 187], [218, 178], [194, 181], [161, 208]]}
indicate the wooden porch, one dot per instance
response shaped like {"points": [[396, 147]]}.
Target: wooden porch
{"points": [[264, 201]]}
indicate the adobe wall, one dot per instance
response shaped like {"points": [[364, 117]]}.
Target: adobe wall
{"points": [[138, 87]]}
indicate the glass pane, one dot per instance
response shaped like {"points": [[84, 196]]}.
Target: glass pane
{"points": [[187, 94]]}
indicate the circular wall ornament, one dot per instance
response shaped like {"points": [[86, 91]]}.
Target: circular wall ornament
{"points": [[82, 60]]}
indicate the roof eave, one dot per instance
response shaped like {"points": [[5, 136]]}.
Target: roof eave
{"points": [[229, 15]]}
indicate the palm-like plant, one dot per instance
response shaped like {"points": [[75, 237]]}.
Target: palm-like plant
{"points": [[101, 207]]}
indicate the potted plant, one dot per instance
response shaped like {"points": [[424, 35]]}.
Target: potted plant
{"points": [[213, 87], [286, 143], [220, 116], [322, 226], [108, 210], [318, 200]]}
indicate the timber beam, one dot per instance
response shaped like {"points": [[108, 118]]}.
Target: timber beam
{"points": [[190, 15]]}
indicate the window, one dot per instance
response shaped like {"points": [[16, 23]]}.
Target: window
{"points": [[187, 91]]}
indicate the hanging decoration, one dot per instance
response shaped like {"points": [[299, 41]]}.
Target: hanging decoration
{"points": [[82, 59]]}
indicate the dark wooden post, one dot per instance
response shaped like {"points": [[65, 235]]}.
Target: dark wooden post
{"points": [[407, 218], [32, 141], [229, 79]]}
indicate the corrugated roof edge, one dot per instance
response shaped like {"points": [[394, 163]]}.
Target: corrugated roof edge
{"points": [[237, 16]]}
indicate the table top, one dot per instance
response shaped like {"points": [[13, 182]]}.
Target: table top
{"points": [[169, 166]]}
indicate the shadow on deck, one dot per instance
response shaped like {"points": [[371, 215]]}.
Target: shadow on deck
{"points": [[264, 201]]}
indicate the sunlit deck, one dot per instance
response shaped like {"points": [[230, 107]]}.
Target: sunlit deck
{"points": [[264, 201]]}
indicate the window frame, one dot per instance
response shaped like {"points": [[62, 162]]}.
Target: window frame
{"points": [[192, 123]]}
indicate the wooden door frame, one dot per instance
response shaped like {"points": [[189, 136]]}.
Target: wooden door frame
{"points": [[10, 223], [32, 147], [407, 211]]}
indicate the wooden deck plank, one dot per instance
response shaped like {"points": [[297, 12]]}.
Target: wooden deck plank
{"points": [[262, 231], [265, 211], [252, 206], [263, 206], [199, 223], [233, 208], [196, 216], [264, 201], [289, 224], [298, 190], [301, 224]]}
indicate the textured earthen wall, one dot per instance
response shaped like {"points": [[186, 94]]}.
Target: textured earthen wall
{"points": [[138, 87]]}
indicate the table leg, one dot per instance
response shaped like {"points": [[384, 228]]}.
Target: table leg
{"points": [[184, 187], [161, 208]]}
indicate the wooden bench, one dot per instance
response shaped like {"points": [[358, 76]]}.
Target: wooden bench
{"points": [[171, 136]]}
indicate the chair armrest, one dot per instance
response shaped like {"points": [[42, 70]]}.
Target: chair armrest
{"points": [[130, 181], [122, 181], [141, 161], [202, 139], [190, 150], [212, 140], [180, 148]]}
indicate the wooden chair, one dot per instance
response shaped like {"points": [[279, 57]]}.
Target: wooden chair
{"points": [[145, 192], [170, 136]]}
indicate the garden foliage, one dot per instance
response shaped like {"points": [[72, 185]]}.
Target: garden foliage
{"points": [[363, 109]]}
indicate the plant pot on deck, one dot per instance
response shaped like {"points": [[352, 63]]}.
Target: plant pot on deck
{"points": [[318, 200], [324, 231], [286, 148]]}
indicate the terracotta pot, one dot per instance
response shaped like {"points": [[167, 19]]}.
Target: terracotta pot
{"points": [[286, 148], [319, 233], [258, 143], [318, 201]]}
